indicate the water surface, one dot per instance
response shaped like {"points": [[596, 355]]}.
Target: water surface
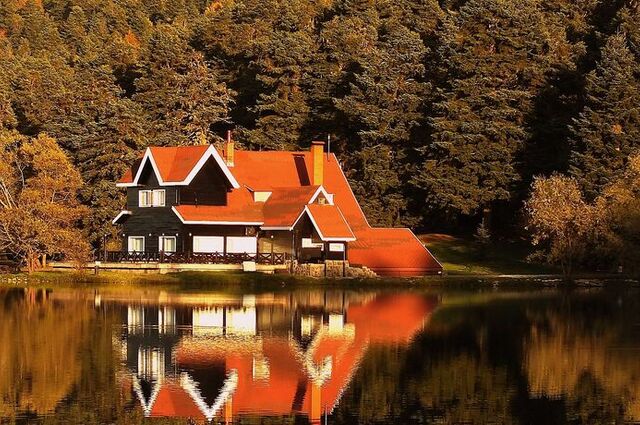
{"points": [[337, 356]]}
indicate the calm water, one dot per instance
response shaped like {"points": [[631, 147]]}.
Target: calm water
{"points": [[319, 356]]}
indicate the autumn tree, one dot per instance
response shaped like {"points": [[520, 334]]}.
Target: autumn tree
{"points": [[620, 204], [39, 208], [561, 221]]}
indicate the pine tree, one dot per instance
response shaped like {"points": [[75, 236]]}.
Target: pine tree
{"points": [[383, 109], [628, 19], [181, 93], [496, 55], [608, 129]]}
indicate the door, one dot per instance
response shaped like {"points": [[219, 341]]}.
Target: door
{"points": [[202, 244]]}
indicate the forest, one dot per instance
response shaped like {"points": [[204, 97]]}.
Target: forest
{"points": [[442, 112]]}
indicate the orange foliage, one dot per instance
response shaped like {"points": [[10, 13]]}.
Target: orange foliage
{"points": [[131, 39], [22, 3]]}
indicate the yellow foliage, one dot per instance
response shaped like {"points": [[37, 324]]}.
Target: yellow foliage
{"points": [[39, 209]]}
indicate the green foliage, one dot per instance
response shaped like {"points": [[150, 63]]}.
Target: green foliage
{"points": [[608, 129]]}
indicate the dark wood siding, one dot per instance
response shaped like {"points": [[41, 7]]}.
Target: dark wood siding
{"points": [[209, 187], [154, 221]]}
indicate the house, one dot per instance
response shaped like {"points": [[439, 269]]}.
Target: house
{"points": [[202, 204]]}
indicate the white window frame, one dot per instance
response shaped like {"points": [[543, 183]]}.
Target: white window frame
{"points": [[161, 243], [136, 237], [240, 241], [336, 247], [308, 243], [155, 195], [214, 240], [145, 198]]}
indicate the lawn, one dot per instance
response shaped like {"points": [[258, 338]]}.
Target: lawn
{"points": [[465, 256]]}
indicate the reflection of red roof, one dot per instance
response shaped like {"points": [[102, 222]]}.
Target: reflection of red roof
{"points": [[174, 401], [391, 319], [240, 208], [330, 222], [386, 251], [272, 377]]}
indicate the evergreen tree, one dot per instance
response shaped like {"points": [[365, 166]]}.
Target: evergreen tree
{"points": [[628, 19], [497, 55], [383, 109], [608, 129], [180, 92]]}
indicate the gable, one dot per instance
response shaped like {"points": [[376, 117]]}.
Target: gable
{"points": [[178, 166]]}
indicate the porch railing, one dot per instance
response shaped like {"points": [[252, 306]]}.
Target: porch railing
{"points": [[193, 257]]}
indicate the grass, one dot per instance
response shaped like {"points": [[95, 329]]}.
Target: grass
{"points": [[461, 256], [191, 281]]}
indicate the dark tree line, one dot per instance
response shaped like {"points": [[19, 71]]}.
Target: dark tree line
{"points": [[441, 111]]}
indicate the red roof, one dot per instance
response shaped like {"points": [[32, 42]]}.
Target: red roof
{"points": [[329, 222], [175, 163], [287, 176], [240, 208], [285, 205]]}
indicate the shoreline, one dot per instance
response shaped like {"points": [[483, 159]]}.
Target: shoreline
{"points": [[258, 281]]}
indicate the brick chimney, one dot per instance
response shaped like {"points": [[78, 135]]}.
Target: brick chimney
{"points": [[229, 149], [317, 162]]}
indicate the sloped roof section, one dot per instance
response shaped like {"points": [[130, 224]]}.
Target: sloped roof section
{"points": [[285, 205], [330, 223], [240, 209]]}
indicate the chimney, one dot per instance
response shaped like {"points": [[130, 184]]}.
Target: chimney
{"points": [[229, 149], [317, 161]]}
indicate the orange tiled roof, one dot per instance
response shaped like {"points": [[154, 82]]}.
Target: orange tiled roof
{"points": [[330, 222], [175, 163], [240, 208], [285, 205]]}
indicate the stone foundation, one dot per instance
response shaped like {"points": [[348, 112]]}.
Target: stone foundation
{"points": [[332, 269]]}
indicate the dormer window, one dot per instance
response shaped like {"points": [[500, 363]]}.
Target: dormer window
{"points": [[152, 198]]}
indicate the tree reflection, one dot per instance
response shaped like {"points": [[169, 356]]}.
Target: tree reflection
{"points": [[38, 356]]}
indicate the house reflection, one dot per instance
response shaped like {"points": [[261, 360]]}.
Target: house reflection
{"points": [[269, 355]]}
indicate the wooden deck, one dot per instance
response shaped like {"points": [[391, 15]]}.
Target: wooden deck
{"points": [[162, 268]]}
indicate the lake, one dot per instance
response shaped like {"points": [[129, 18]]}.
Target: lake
{"points": [[327, 355]]}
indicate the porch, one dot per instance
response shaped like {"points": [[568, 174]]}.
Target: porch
{"points": [[267, 258]]}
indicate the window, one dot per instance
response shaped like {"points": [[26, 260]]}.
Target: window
{"points": [[208, 244], [145, 198], [167, 243], [336, 247], [242, 244], [308, 243], [152, 198], [136, 243], [159, 198]]}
